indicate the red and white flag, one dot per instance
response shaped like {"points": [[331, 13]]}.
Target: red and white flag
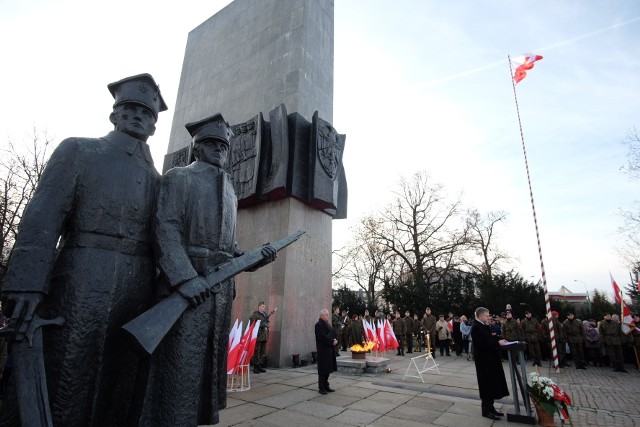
{"points": [[251, 345], [616, 290], [523, 63], [390, 337], [382, 343], [234, 346], [627, 324]]}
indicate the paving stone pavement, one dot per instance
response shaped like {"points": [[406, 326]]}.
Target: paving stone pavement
{"points": [[289, 397]]}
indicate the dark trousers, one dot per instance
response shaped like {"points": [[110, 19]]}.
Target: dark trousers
{"points": [[323, 382], [487, 406], [444, 345], [400, 339]]}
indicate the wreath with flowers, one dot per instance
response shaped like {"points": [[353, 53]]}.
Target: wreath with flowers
{"points": [[549, 396]]}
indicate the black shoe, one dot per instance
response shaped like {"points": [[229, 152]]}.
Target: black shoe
{"points": [[261, 369], [329, 389], [499, 414], [256, 370], [398, 354], [321, 391], [491, 416], [448, 354]]}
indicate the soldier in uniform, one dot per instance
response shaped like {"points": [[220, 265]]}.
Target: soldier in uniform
{"points": [[357, 330], [400, 331], [574, 333], [337, 325], [561, 340], [367, 316], [611, 333], [530, 328], [429, 326], [345, 334], [418, 335], [262, 338], [187, 382], [84, 253], [511, 330], [408, 320]]}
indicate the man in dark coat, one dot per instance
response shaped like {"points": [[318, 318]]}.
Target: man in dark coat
{"points": [[84, 253], [195, 224], [326, 341], [408, 321], [492, 384]]}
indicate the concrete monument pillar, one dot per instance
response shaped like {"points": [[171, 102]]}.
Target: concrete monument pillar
{"points": [[259, 57]]}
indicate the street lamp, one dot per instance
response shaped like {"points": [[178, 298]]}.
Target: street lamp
{"points": [[587, 290]]}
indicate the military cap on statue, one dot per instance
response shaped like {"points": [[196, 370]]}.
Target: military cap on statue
{"points": [[213, 127], [140, 89]]}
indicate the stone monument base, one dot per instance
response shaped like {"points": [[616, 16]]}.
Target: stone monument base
{"points": [[369, 365]]}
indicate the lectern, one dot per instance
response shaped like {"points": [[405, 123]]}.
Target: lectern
{"points": [[515, 350]]}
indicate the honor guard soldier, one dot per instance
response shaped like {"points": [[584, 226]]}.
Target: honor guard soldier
{"points": [[408, 321], [574, 332], [400, 331], [262, 338], [530, 331]]}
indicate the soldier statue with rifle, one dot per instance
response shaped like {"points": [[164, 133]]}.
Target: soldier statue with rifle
{"points": [[83, 260], [195, 224]]}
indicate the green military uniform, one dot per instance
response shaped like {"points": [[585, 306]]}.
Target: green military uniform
{"points": [[400, 330], [530, 328], [561, 340], [511, 330], [429, 326], [408, 321], [611, 334], [261, 340], [357, 332], [345, 335], [574, 333]]}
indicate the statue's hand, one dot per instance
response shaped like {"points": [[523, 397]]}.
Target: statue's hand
{"points": [[23, 306], [269, 254], [196, 291]]}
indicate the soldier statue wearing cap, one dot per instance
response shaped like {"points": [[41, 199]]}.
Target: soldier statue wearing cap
{"points": [[195, 224], [84, 253]]}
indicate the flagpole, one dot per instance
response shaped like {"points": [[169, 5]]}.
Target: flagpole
{"points": [[554, 348]]}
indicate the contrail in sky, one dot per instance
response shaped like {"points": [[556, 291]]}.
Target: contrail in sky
{"points": [[542, 49]]}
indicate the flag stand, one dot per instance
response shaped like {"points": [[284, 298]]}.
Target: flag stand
{"points": [[240, 380], [425, 367]]}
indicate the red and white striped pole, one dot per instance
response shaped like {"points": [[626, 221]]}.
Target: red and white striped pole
{"points": [[552, 333]]}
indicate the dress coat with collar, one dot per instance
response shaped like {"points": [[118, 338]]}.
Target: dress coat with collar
{"points": [[486, 352]]}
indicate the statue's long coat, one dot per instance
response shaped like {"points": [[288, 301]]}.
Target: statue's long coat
{"points": [[97, 197], [195, 225]]}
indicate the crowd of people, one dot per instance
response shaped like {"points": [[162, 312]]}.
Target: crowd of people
{"points": [[581, 342]]}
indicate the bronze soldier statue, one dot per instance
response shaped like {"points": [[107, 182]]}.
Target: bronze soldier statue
{"points": [[195, 225], [84, 253]]}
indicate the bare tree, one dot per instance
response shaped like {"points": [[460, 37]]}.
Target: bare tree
{"points": [[483, 255], [20, 170], [629, 251], [364, 261], [423, 230]]}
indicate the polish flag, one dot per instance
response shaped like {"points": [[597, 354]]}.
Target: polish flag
{"points": [[390, 337], [234, 350], [382, 342], [371, 336], [251, 345], [523, 63], [616, 290], [627, 320], [450, 326], [242, 348]]}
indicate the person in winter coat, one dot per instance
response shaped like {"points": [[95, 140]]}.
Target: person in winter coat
{"points": [[492, 384], [444, 335], [592, 343], [326, 341]]}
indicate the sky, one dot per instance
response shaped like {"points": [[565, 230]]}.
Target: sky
{"points": [[419, 85]]}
